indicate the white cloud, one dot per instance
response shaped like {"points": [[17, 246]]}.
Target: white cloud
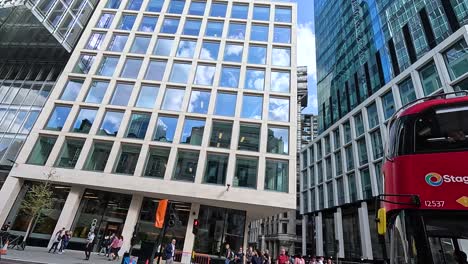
{"points": [[306, 48]]}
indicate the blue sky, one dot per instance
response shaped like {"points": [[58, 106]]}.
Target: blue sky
{"points": [[306, 47]]}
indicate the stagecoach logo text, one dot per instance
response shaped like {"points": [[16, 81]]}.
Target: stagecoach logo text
{"points": [[435, 179]]}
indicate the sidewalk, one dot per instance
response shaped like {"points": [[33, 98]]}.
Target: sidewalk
{"points": [[40, 255]]}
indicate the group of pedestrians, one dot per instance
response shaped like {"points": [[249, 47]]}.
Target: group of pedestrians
{"points": [[61, 240], [110, 246], [256, 256]]}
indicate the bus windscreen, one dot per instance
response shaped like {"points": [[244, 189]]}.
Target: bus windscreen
{"points": [[442, 130]]}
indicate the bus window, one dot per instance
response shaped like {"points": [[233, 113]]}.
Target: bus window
{"points": [[391, 142], [442, 130], [447, 235]]}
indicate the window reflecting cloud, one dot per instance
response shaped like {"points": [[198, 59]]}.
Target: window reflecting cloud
{"points": [[278, 109], [173, 99], [186, 49], [199, 101], [204, 75], [280, 82], [281, 57], [252, 107], [233, 52], [255, 79], [230, 77], [209, 51]]}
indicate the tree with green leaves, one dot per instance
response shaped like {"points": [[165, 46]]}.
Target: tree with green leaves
{"points": [[38, 198]]}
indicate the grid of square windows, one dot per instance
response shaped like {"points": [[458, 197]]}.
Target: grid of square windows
{"points": [[126, 108]]}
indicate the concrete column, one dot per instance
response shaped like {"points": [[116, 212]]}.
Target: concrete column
{"points": [[339, 232], [69, 210], [130, 221], [189, 237], [366, 243], [8, 194], [319, 235], [304, 234]]}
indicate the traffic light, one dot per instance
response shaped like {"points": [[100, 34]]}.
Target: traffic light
{"points": [[196, 225]]}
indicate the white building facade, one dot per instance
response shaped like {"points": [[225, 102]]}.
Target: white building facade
{"points": [[341, 168], [191, 101]]}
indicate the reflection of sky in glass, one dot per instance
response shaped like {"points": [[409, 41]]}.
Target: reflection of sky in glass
{"points": [[148, 23], [131, 68], [276, 136], [95, 41], [255, 79], [236, 31], [176, 6], [140, 44], [170, 25], [280, 82], [155, 70], [155, 5], [282, 35], [111, 123], [107, 66], [259, 33], [193, 131], [58, 117], [281, 57], [261, 13], [218, 10], [209, 50], [214, 29], [186, 49], [105, 20], [197, 8], [278, 109], [134, 4], [84, 120], [173, 99], [257, 55], [96, 92], [122, 94], [233, 52], [84, 63], [165, 129], [239, 11], [252, 107], [283, 14], [147, 96], [118, 42], [225, 104], [204, 75], [163, 47], [126, 22], [180, 72], [199, 101], [71, 90], [192, 27], [230, 77]]}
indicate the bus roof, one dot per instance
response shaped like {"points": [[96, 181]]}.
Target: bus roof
{"points": [[421, 105]]}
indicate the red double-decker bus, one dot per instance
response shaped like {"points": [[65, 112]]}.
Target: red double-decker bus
{"points": [[424, 210]]}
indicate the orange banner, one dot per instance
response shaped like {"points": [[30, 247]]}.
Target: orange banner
{"points": [[161, 214]]}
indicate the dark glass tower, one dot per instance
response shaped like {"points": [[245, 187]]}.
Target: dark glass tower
{"points": [[363, 44]]}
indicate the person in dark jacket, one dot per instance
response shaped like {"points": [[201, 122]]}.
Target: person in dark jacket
{"points": [[257, 258], [169, 252]]}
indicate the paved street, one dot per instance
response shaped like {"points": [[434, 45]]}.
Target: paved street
{"points": [[40, 255]]}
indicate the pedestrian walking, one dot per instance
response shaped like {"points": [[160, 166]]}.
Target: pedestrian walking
{"points": [[57, 240], [105, 244], [248, 255], [89, 244], [282, 258], [239, 257], [115, 247], [111, 239], [65, 240], [266, 257], [257, 257], [169, 252], [229, 255]]}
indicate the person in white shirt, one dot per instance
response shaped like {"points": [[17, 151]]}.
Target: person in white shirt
{"points": [[89, 244], [170, 252]]}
